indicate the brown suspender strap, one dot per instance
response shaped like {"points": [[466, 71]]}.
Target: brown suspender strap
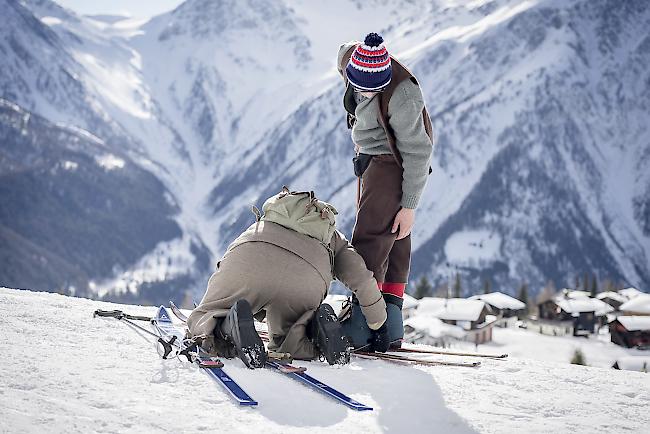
{"points": [[399, 74]]}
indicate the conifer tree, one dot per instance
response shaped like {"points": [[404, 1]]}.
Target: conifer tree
{"points": [[594, 286], [422, 288], [523, 293], [487, 286], [458, 289], [578, 358]]}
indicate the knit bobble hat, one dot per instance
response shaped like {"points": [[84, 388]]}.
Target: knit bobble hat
{"points": [[369, 68]]}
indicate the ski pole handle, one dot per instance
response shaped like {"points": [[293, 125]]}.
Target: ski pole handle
{"points": [[118, 314], [109, 313]]}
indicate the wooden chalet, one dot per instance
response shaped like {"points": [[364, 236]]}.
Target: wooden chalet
{"points": [[562, 316], [502, 305], [631, 331], [472, 316]]}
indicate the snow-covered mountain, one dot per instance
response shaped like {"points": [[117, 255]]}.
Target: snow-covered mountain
{"points": [[86, 374], [74, 210], [540, 109]]}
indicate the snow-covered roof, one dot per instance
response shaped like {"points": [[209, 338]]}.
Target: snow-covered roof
{"points": [[574, 293], [634, 363], [635, 323], [602, 308], [613, 295], [639, 304], [500, 300], [430, 304], [583, 304], [630, 293], [575, 305], [452, 309], [434, 327]]}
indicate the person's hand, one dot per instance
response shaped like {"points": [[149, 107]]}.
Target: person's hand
{"points": [[380, 340], [404, 222]]}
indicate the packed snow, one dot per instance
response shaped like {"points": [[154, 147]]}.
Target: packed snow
{"points": [[65, 371]]}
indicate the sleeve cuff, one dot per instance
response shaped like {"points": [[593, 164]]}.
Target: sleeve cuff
{"points": [[410, 201]]}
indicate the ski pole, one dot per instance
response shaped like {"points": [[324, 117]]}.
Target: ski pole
{"points": [[166, 345], [363, 348]]}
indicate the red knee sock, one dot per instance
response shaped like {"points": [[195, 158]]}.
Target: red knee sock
{"points": [[396, 289]]}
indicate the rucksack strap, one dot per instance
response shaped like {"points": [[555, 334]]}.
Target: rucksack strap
{"points": [[256, 211]]}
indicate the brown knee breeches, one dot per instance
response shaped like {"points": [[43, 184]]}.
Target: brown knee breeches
{"points": [[381, 194]]}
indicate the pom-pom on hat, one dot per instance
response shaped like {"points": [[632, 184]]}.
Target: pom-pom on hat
{"points": [[369, 67]]}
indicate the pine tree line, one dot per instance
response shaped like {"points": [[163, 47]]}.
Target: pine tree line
{"points": [[588, 283]]}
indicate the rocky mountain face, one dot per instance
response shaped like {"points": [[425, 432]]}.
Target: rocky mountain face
{"points": [[540, 110], [74, 211]]}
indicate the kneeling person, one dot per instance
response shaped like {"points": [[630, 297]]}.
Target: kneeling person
{"points": [[281, 268]]}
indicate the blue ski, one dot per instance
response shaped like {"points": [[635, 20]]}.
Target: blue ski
{"points": [[318, 385], [166, 328], [299, 375]]}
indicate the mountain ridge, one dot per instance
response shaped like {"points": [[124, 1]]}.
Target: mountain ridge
{"points": [[537, 107]]}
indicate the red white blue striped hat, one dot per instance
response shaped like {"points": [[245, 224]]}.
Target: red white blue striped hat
{"points": [[369, 68]]}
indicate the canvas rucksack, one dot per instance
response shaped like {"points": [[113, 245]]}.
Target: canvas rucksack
{"points": [[302, 212]]}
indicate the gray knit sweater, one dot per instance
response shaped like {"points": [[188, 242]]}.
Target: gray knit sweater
{"points": [[405, 117]]}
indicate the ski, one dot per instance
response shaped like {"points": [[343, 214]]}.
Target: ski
{"points": [[394, 358], [399, 359], [450, 353], [318, 385], [176, 311], [163, 324], [297, 373], [286, 367]]}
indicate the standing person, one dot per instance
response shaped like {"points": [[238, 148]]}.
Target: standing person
{"points": [[392, 134], [280, 268]]}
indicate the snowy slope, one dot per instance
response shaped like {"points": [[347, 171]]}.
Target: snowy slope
{"points": [[61, 188], [539, 106], [67, 372]]}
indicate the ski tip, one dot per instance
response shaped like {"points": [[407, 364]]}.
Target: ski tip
{"points": [[163, 315], [210, 363]]}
